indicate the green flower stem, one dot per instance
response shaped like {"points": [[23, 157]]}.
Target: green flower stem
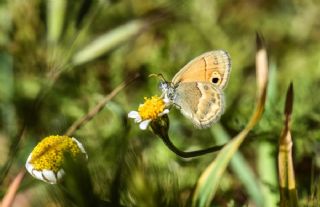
{"points": [[184, 154], [161, 127]]}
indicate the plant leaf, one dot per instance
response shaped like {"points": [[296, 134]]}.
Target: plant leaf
{"points": [[288, 193]]}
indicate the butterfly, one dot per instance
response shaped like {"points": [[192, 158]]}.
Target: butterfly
{"points": [[197, 89]]}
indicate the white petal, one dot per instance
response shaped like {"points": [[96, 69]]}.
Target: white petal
{"points": [[37, 174], [80, 147], [29, 167], [49, 176], [135, 115], [138, 120], [166, 111], [144, 124]]}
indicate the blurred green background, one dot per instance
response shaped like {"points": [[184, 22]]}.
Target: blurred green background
{"points": [[59, 58]]}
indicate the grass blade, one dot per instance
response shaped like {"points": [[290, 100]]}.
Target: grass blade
{"points": [[56, 14], [108, 41], [241, 168], [210, 178], [288, 192]]}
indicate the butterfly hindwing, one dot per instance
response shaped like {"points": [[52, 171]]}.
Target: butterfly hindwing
{"points": [[201, 102]]}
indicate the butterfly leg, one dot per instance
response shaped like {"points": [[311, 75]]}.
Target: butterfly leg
{"points": [[177, 106]]}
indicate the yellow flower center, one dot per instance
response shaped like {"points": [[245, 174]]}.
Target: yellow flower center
{"points": [[48, 154], [151, 108]]}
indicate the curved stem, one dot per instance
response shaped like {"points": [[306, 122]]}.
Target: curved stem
{"points": [[184, 154]]}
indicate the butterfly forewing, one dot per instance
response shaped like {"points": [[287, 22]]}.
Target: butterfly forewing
{"points": [[213, 67]]}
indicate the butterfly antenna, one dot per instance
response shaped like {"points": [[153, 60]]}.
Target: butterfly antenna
{"points": [[159, 75]]}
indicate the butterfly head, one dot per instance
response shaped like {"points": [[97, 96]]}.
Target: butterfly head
{"points": [[167, 88], [168, 91]]}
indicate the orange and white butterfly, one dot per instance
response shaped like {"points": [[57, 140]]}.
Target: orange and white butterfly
{"points": [[197, 89]]}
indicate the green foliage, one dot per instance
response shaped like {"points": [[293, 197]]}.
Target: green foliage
{"points": [[58, 59]]}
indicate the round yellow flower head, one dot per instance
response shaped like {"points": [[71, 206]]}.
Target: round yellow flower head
{"points": [[151, 108], [149, 111], [46, 160]]}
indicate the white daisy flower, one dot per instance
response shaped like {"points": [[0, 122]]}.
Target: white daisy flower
{"points": [[150, 110], [46, 160]]}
